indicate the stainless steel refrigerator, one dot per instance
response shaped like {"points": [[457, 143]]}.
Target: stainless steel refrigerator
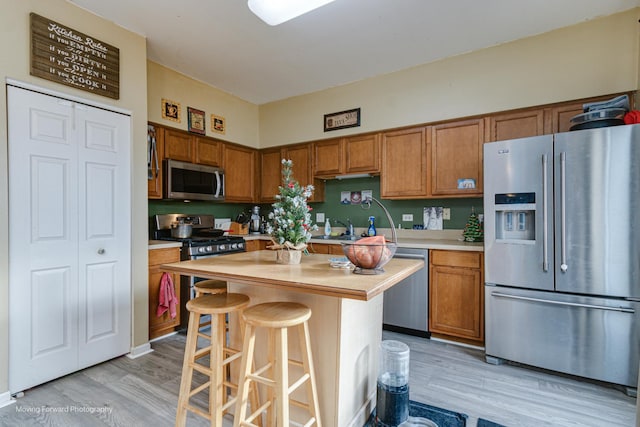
{"points": [[562, 252]]}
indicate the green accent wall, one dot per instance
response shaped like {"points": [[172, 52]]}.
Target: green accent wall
{"points": [[333, 209]]}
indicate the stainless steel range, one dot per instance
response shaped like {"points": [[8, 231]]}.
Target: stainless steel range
{"points": [[205, 241]]}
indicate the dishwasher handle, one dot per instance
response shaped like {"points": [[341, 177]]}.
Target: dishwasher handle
{"points": [[411, 256]]}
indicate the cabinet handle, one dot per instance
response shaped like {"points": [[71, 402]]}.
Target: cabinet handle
{"points": [[101, 251]]}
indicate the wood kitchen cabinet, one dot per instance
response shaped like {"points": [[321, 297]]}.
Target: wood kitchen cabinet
{"points": [[456, 154], [405, 160], [328, 158], [186, 147], [456, 297], [239, 165], [164, 324], [256, 245], [326, 248], [271, 171], [154, 184], [270, 174], [178, 145], [302, 157], [207, 151], [362, 154], [519, 124], [349, 155]]}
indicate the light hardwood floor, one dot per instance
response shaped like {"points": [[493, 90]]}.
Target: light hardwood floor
{"points": [[144, 392]]}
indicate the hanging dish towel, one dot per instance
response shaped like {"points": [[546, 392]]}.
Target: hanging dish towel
{"points": [[167, 299]]}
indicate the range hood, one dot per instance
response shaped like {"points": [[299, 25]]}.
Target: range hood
{"points": [[353, 176]]}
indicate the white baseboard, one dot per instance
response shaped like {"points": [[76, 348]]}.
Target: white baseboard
{"points": [[139, 351], [6, 400]]}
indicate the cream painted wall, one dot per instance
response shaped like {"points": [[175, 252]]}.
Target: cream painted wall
{"points": [[593, 58], [14, 64], [241, 116]]}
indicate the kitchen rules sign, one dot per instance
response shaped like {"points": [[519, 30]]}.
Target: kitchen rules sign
{"points": [[66, 56]]}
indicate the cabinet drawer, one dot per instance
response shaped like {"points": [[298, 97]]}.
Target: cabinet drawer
{"points": [[164, 256], [457, 259]]}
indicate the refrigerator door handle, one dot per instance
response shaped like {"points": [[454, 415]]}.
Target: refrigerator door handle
{"points": [[563, 213], [572, 304], [545, 219]]}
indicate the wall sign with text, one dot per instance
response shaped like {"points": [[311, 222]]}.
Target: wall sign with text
{"points": [[64, 55], [342, 119]]}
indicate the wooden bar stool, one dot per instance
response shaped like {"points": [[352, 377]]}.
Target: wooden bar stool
{"points": [[210, 286], [277, 317], [220, 356]]}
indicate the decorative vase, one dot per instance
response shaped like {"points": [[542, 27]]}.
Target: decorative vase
{"points": [[288, 256]]}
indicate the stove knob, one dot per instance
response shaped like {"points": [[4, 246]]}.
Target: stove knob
{"points": [[209, 249], [201, 249], [234, 246], [222, 247]]}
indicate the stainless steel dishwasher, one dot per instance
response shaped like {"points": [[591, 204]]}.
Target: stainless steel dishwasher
{"points": [[406, 304]]}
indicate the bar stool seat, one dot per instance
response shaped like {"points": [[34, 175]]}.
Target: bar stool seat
{"points": [[210, 286], [276, 317], [220, 356]]}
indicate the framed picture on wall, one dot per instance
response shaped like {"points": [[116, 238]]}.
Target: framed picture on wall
{"points": [[218, 124], [171, 110], [196, 121]]}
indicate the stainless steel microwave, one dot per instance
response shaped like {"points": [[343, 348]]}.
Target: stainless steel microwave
{"points": [[188, 181]]}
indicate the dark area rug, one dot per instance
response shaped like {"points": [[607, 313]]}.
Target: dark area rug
{"points": [[486, 423], [442, 417]]}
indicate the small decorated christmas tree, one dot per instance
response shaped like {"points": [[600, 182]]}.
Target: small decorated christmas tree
{"points": [[290, 223], [473, 231]]}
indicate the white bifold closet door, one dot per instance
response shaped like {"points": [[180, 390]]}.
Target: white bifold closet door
{"points": [[69, 236]]}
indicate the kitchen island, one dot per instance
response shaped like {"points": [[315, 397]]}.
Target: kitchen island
{"points": [[345, 327]]}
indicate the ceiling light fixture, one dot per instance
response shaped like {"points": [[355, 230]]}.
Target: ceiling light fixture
{"points": [[275, 12]]}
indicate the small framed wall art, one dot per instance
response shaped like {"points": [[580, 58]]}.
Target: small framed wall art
{"points": [[218, 124], [196, 121], [342, 119], [171, 110]]}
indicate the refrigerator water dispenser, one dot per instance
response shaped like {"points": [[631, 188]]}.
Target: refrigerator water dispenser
{"points": [[515, 218]]}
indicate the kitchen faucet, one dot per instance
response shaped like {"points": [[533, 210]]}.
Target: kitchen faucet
{"points": [[348, 227]]}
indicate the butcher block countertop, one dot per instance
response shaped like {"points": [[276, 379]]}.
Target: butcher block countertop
{"points": [[313, 275]]}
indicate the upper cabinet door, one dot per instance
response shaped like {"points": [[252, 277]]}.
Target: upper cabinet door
{"points": [[328, 156], [177, 145], [270, 174], [207, 151], [239, 165], [405, 157], [301, 156], [456, 159], [362, 154], [521, 124]]}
